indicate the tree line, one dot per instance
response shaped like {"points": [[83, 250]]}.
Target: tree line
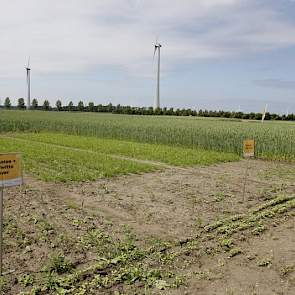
{"points": [[118, 109]]}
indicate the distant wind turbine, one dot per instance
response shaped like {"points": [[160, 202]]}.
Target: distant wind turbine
{"points": [[157, 99], [28, 69], [264, 113]]}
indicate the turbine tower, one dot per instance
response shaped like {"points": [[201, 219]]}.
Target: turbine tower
{"points": [[264, 113], [28, 84], [157, 99]]}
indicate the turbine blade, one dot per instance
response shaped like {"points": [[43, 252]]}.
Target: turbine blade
{"points": [[28, 63], [156, 45], [155, 50]]}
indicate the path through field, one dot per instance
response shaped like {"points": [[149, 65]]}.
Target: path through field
{"points": [[183, 216]]}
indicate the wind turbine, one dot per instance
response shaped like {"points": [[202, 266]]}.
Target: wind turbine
{"points": [[28, 69], [157, 100], [264, 113]]}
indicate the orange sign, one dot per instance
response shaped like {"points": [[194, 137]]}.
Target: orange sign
{"points": [[249, 148], [10, 170]]}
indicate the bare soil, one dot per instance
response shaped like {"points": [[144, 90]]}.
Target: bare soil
{"points": [[169, 205]]}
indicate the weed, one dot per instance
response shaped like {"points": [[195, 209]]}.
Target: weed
{"points": [[161, 284], [226, 244], [219, 197], [3, 283], [59, 264], [287, 269], [208, 275], [234, 252], [258, 229], [72, 205], [27, 280], [266, 262]]}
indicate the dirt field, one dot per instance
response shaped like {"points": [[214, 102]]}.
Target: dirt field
{"points": [[176, 211]]}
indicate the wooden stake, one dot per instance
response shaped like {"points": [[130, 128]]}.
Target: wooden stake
{"points": [[1, 229], [245, 178]]}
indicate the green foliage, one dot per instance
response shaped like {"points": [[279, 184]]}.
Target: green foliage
{"points": [[3, 283], [119, 262], [219, 197], [177, 156], [227, 244], [59, 264], [27, 280], [46, 105], [274, 140], [266, 262], [59, 157], [45, 228], [7, 103], [287, 269], [91, 107], [252, 220], [34, 105], [58, 104], [234, 252], [80, 106], [96, 239], [21, 103], [70, 106], [52, 163]]}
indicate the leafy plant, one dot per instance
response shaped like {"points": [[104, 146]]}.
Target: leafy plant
{"points": [[27, 280], [59, 264]]}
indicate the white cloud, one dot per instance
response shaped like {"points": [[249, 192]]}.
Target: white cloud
{"points": [[67, 36]]}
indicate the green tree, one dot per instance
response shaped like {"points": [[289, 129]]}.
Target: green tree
{"points": [[7, 103], [70, 106], [58, 105], [46, 105], [267, 116], [100, 108], [80, 106], [158, 111], [109, 108], [246, 116], [21, 104], [91, 107], [34, 104]]}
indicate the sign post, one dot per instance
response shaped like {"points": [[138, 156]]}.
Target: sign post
{"points": [[249, 152], [1, 228], [10, 175]]}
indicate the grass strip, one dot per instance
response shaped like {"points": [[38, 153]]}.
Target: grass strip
{"points": [[51, 163], [178, 156]]}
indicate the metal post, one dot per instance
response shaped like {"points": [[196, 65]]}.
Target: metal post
{"points": [[158, 78], [29, 88], [245, 178], [1, 229]]}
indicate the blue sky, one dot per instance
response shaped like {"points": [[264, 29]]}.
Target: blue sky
{"points": [[216, 54]]}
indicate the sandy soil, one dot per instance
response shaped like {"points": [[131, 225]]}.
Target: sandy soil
{"points": [[171, 205]]}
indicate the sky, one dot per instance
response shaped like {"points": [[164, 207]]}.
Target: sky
{"points": [[216, 54]]}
